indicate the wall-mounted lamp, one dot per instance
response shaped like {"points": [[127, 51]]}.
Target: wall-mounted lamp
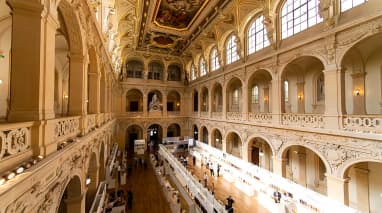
{"points": [[217, 139], [357, 92], [300, 97], [65, 96], [196, 132], [88, 181], [1, 81], [177, 104], [2, 181], [11, 175], [266, 98], [20, 170], [261, 153]]}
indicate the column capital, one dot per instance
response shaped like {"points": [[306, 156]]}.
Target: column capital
{"points": [[26, 5], [336, 179]]}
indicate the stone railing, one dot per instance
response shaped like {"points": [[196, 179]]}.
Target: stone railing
{"points": [[90, 122], [65, 128], [204, 114], [217, 115], [303, 120], [195, 114], [205, 197], [14, 139], [235, 116], [363, 123], [134, 114], [173, 113], [260, 117], [100, 119]]}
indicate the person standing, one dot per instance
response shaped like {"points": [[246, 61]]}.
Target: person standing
{"points": [[205, 179], [218, 170], [193, 160], [130, 199]]}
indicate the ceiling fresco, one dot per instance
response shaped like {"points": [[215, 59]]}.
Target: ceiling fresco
{"points": [[169, 26], [178, 14]]}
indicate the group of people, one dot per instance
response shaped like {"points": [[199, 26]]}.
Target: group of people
{"points": [[119, 200], [213, 168]]}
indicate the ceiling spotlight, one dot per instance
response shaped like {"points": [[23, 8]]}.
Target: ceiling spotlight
{"points": [[20, 170], [2, 181], [11, 175], [27, 165]]}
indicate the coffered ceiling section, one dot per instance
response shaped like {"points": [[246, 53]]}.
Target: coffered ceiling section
{"points": [[169, 26]]}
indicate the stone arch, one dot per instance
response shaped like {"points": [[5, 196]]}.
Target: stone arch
{"points": [[230, 148], [174, 130], [299, 57], [216, 142], [204, 134], [74, 186], [195, 131], [263, 137], [341, 171], [282, 152], [134, 100], [102, 162], [92, 176], [133, 132], [75, 34]]}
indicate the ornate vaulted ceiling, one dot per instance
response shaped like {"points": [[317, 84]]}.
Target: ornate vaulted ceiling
{"points": [[177, 27]]}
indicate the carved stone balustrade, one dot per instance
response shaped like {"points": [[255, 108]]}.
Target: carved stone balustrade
{"points": [[134, 114], [195, 114], [363, 123], [217, 115], [235, 116], [303, 120], [204, 114], [66, 128], [260, 117], [15, 143], [173, 113], [91, 122]]}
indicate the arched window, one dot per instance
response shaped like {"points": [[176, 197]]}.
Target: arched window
{"points": [[214, 59], [255, 94], [202, 67], [257, 36], [134, 69], [297, 16], [348, 4], [193, 72], [155, 71], [286, 91], [173, 73], [231, 50]]}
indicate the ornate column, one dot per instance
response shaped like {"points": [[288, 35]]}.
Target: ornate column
{"points": [[276, 101], [334, 98], [32, 68], [164, 103], [103, 92], [245, 105], [362, 188], [338, 189], [145, 103], [94, 92], [77, 85], [279, 166]]}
